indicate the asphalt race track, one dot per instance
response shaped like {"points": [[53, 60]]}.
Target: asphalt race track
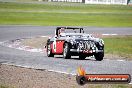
{"points": [[58, 64]]}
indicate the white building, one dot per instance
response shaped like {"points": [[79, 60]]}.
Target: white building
{"points": [[123, 2]]}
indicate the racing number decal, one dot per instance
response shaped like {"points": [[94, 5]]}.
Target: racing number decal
{"points": [[58, 46], [54, 45]]}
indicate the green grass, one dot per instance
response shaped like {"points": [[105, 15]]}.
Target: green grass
{"points": [[3, 86], [66, 14], [119, 45]]}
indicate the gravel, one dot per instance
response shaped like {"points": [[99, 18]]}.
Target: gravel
{"points": [[30, 78], [18, 77]]}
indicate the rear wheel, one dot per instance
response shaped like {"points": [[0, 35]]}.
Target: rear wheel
{"points": [[49, 51], [66, 51], [99, 56]]}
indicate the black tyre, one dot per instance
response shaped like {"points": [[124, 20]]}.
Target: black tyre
{"points": [[66, 51], [49, 51], [82, 57], [99, 56], [81, 80]]}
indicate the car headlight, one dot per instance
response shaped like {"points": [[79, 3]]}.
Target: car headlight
{"points": [[72, 41], [101, 42]]}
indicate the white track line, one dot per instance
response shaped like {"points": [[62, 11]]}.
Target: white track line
{"points": [[109, 34], [120, 60], [62, 72], [114, 60], [1, 42], [25, 48], [43, 36], [130, 83]]}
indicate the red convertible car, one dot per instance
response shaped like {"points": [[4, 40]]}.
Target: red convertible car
{"points": [[71, 41]]}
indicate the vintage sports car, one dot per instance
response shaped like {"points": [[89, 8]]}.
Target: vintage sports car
{"points": [[71, 41]]}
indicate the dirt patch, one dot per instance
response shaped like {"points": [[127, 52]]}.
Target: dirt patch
{"points": [[116, 57], [17, 77], [36, 42]]}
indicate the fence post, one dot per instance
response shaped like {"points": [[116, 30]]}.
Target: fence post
{"points": [[83, 1]]}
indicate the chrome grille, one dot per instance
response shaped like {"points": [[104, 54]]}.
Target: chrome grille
{"points": [[86, 45]]}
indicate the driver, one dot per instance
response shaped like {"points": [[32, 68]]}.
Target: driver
{"points": [[62, 30]]}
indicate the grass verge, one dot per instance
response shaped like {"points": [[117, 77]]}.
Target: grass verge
{"points": [[65, 14], [121, 46], [3, 86]]}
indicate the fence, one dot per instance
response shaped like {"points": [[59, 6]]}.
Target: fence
{"points": [[66, 1], [123, 2]]}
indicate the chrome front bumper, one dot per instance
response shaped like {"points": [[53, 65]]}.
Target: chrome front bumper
{"points": [[86, 51]]}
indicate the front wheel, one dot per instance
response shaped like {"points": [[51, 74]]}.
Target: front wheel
{"points": [[99, 56], [49, 51], [66, 51]]}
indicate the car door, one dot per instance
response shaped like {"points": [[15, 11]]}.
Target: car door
{"points": [[58, 46]]}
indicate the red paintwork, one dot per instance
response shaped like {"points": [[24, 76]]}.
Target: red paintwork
{"points": [[59, 47]]}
